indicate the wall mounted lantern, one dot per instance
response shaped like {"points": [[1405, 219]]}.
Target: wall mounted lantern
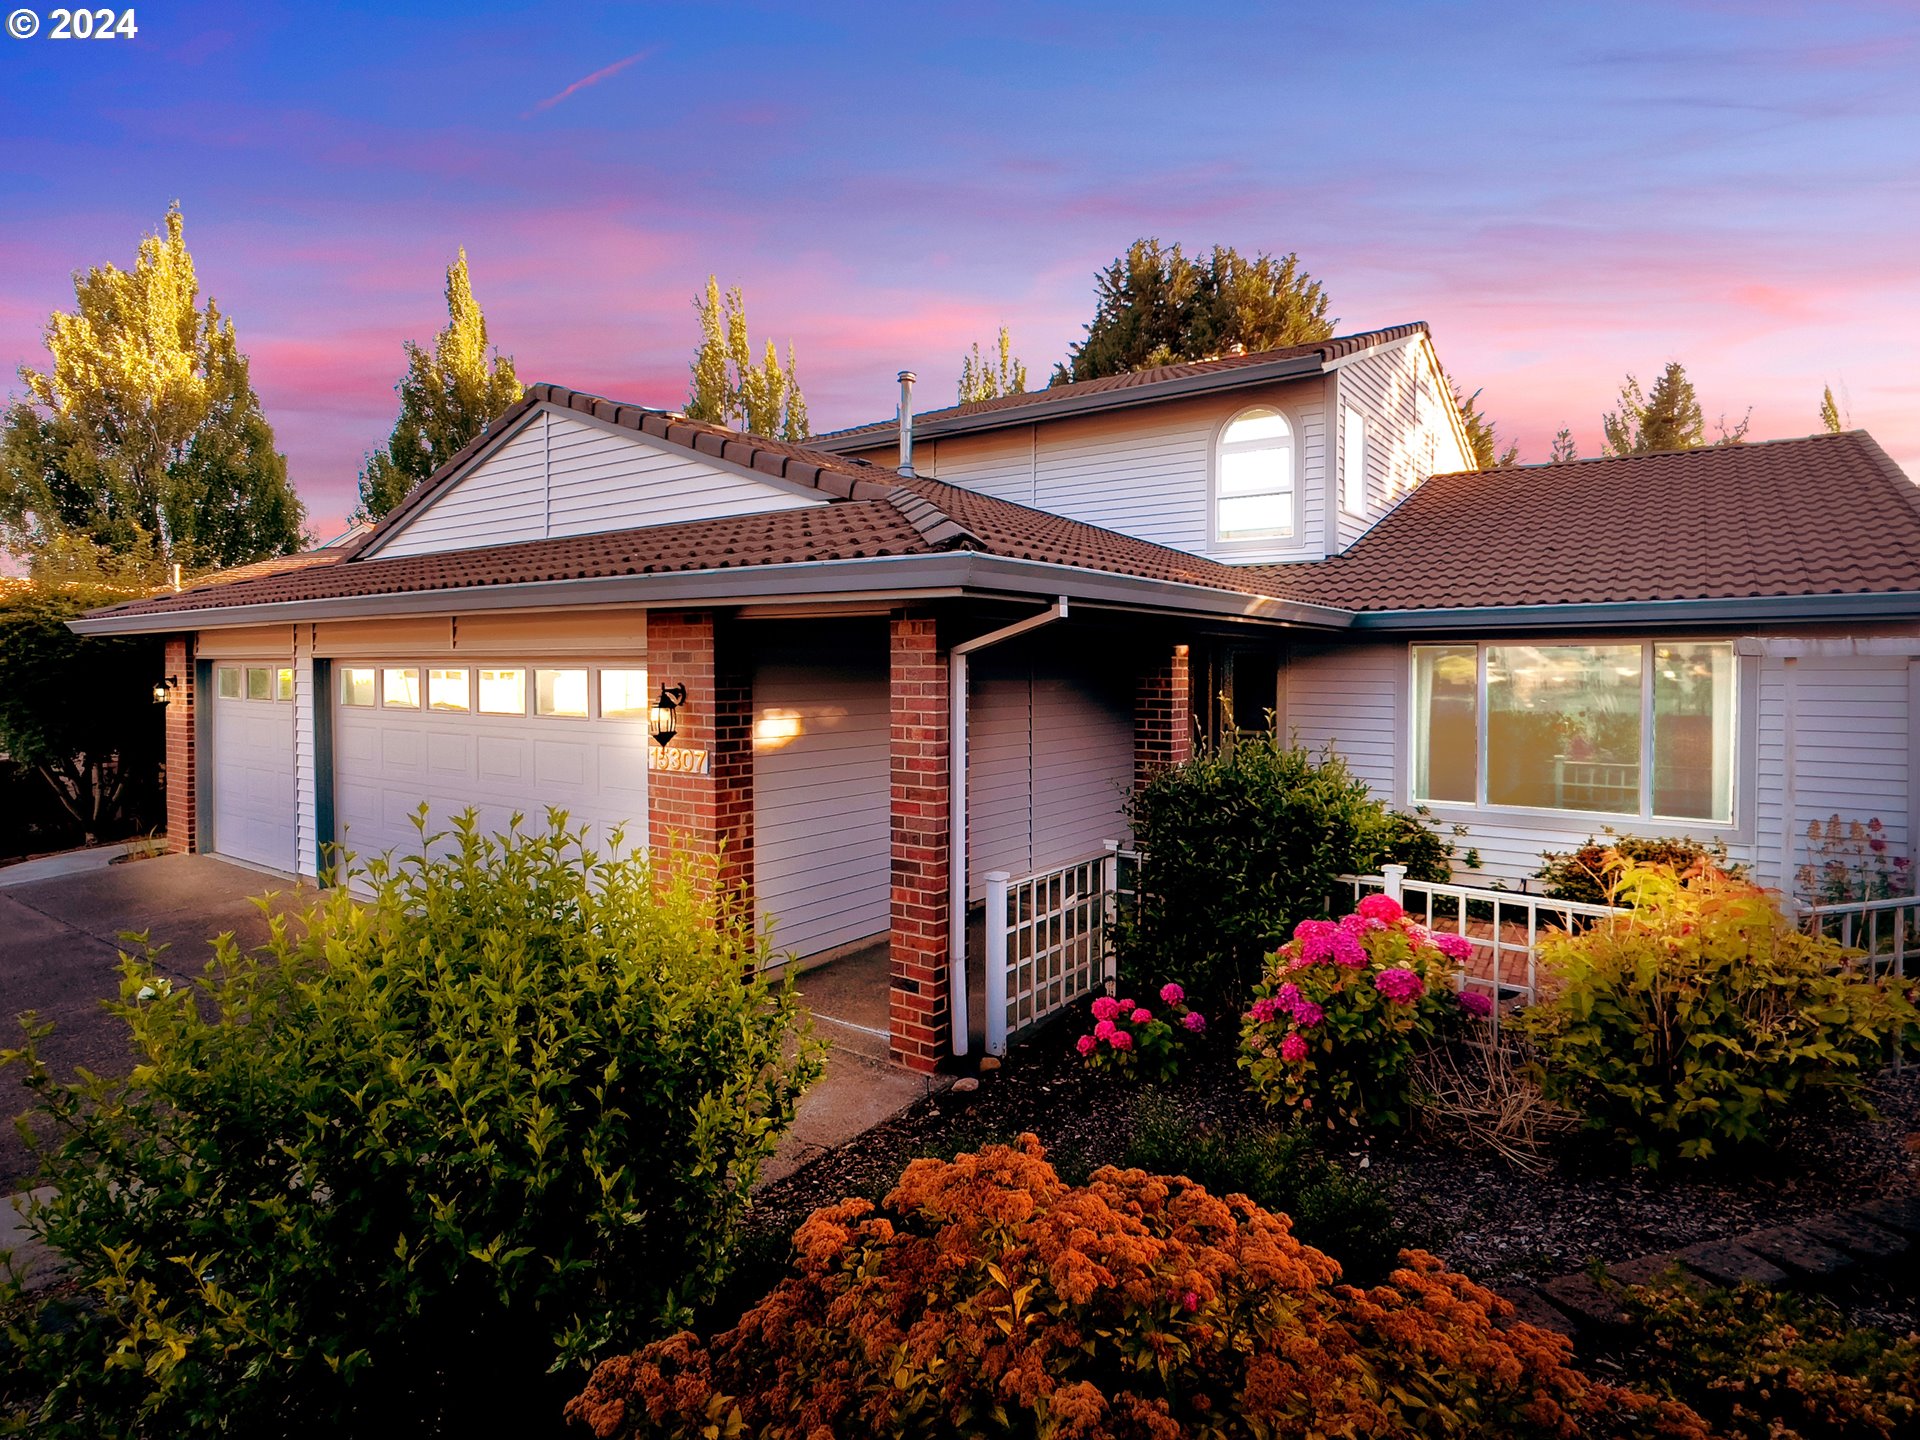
{"points": [[672, 697], [163, 689]]}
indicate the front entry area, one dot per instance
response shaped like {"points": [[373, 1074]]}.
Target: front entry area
{"points": [[503, 738]]}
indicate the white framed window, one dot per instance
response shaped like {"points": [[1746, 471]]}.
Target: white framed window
{"points": [[448, 690], [1353, 463], [560, 692], [358, 687], [400, 689], [1253, 487], [229, 679], [503, 692], [623, 695], [283, 683], [1642, 729]]}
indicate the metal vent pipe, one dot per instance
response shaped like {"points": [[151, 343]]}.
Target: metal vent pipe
{"points": [[905, 467]]}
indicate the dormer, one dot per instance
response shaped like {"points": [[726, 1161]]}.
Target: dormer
{"points": [[1280, 455]]}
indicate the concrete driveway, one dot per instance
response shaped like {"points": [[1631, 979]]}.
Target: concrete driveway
{"points": [[59, 951]]}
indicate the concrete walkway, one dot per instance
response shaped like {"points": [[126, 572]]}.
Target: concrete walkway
{"points": [[67, 862]]}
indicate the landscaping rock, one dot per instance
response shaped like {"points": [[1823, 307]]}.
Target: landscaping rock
{"points": [[965, 1085], [1725, 1263], [1583, 1300], [1649, 1269], [1800, 1252], [1859, 1236], [1529, 1308], [1895, 1212]]}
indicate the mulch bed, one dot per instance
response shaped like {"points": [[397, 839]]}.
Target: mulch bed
{"points": [[1477, 1212]]}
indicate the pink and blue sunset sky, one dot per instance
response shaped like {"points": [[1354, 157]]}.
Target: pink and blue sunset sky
{"points": [[1565, 193]]}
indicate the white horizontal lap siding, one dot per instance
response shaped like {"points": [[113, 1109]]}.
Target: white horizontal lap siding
{"points": [[999, 463], [822, 841], [563, 474], [999, 767], [305, 737]]}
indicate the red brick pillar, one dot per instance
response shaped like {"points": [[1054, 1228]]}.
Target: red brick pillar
{"points": [[183, 790], [918, 1014], [707, 810], [1162, 716]]}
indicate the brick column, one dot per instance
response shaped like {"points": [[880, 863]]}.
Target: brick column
{"points": [[183, 791], [695, 814], [918, 1019], [1162, 716]]}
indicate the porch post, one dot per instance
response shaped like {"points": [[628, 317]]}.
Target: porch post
{"points": [[921, 795], [1162, 715], [182, 733], [708, 811]]}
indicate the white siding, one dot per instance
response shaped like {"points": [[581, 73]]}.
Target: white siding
{"points": [[1144, 472], [1407, 440], [562, 474], [1049, 759], [821, 823]]}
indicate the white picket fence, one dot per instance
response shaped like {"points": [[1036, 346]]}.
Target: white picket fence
{"points": [[1048, 940]]}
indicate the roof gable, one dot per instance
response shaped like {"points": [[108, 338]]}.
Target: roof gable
{"points": [[555, 473]]}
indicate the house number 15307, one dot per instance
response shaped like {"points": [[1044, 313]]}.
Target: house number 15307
{"points": [[678, 762]]}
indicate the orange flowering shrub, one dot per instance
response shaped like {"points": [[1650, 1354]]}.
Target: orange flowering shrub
{"points": [[987, 1297]]}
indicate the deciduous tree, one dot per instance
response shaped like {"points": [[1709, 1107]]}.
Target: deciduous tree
{"points": [[1830, 420], [1668, 419], [1564, 448], [989, 377], [1156, 305], [145, 435], [446, 398], [729, 387]]}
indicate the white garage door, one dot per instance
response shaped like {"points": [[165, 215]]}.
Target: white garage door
{"points": [[822, 841], [503, 739], [253, 800]]}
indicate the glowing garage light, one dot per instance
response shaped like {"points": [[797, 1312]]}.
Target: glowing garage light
{"points": [[776, 728]]}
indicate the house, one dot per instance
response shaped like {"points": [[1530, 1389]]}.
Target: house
{"points": [[1031, 603]]}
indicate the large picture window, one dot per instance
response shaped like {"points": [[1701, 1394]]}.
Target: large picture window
{"points": [[1633, 728]]}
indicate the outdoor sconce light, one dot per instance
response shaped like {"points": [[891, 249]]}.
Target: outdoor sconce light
{"points": [[163, 689], [672, 697]]}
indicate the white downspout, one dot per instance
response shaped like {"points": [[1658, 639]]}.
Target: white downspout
{"points": [[957, 805]]}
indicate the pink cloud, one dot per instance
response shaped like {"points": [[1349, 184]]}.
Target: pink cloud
{"points": [[585, 81]]}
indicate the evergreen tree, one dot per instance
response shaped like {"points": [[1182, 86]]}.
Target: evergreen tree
{"points": [[145, 437], [1156, 306], [1487, 454], [1830, 420], [1668, 419], [446, 398], [988, 378], [728, 387], [1563, 447]]}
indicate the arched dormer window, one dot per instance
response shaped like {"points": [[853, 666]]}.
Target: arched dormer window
{"points": [[1253, 477]]}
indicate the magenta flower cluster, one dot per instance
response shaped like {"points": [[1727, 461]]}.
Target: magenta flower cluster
{"points": [[1124, 1032], [1400, 984]]}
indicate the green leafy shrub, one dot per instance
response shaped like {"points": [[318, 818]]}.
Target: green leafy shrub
{"points": [[987, 1298], [1343, 1010], [1413, 839], [1692, 1023], [1591, 874], [1284, 1169], [384, 1173], [1241, 843], [1761, 1365]]}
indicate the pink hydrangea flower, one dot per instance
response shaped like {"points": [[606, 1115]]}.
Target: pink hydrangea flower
{"points": [[1348, 951], [1418, 934], [1287, 996], [1400, 984], [1315, 940], [1307, 1014], [1262, 1011], [1476, 1003], [1194, 1021], [1357, 924], [1121, 1040], [1105, 1008], [1123, 1004], [1104, 1030], [1171, 994], [1142, 1015], [1190, 1301], [1383, 908], [1085, 1044], [1454, 947], [1293, 1049]]}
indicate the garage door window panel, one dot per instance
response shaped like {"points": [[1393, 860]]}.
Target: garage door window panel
{"points": [[503, 692], [400, 689], [358, 688], [561, 693], [229, 682], [259, 683], [448, 690], [623, 695]]}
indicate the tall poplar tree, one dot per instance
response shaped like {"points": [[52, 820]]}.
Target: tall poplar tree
{"points": [[1669, 418], [145, 438], [1830, 420], [1156, 305], [988, 377], [447, 397], [729, 386]]}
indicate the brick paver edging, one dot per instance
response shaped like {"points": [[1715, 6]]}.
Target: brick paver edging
{"points": [[1879, 1234]]}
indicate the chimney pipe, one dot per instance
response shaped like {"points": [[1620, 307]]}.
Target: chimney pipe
{"points": [[905, 467]]}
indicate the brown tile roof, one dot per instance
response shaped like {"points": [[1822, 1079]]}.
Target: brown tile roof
{"points": [[1324, 351], [1824, 515]]}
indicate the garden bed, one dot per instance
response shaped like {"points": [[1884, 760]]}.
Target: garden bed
{"points": [[1476, 1212]]}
